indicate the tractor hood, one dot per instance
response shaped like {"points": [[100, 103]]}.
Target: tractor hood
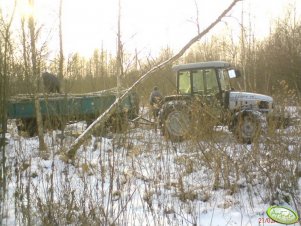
{"points": [[250, 101]]}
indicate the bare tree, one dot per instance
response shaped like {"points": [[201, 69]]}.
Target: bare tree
{"points": [[61, 60], [243, 49], [35, 73], [104, 117], [197, 16], [119, 51], [25, 52], [5, 61]]}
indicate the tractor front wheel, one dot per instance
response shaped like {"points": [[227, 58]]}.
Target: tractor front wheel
{"points": [[247, 128]]}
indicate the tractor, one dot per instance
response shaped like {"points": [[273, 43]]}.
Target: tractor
{"points": [[205, 96]]}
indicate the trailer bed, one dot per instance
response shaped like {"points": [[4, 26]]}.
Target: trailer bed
{"points": [[69, 107]]}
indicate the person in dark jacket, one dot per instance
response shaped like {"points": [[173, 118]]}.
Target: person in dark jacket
{"points": [[51, 83], [155, 100]]}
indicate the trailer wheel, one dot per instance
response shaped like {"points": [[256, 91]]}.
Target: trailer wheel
{"points": [[118, 123], [134, 110], [101, 131], [28, 125], [176, 123], [54, 123], [247, 128]]}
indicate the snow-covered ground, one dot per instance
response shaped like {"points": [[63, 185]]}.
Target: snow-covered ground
{"points": [[139, 178]]}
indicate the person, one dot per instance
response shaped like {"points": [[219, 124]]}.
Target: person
{"points": [[155, 101], [51, 83]]}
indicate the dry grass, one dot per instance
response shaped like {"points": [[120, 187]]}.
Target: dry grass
{"points": [[140, 178]]}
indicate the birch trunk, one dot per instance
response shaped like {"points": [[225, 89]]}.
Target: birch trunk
{"points": [[5, 63], [61, 61], [119, 52], [31, 26]]}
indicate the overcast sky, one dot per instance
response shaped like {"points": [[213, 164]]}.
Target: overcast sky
{"points": [[147, 25]]}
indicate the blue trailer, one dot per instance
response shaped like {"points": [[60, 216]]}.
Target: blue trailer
{"points": [[59, 109]]}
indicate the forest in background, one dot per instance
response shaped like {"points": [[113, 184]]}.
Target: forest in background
{"points": [[267, 65]]}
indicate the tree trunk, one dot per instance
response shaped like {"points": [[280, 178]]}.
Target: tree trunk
{"points": [[4, 72], [25, 57], [31, 26], [243, 50], [105, 116], [119, 52], [61, 61]]}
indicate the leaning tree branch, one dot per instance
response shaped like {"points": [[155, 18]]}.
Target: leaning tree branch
{"points": [[105, 116]]}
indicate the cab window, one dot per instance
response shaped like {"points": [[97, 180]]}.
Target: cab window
{"points": [[184, 82], [210, 81], [198, 81]]}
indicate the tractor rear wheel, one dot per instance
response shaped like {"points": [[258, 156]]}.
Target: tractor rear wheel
{"points": [[176, 122]]}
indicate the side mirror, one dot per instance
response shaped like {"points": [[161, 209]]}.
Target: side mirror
{"points": [[238, 74], [234, 73]]}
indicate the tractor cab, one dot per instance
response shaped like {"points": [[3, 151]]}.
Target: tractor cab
{"points": [[208, 80], [205, 78]]}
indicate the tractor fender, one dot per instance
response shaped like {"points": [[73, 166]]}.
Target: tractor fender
{"points": [[170, 105]]}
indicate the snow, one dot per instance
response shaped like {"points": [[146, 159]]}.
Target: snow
{"points": [[139, 178]]}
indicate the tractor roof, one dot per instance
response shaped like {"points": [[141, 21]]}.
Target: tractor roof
{"points": [[199, 65]]}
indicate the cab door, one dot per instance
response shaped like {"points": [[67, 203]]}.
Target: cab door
{"points": [[207, 90]]}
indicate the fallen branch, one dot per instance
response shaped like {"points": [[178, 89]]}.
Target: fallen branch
{"points": [[105, 116]]}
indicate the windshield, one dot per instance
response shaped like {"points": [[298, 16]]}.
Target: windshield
{"points": [[224, 79]]}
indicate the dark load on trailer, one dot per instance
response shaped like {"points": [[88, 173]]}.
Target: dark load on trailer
{"points": [[51, 83]]}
